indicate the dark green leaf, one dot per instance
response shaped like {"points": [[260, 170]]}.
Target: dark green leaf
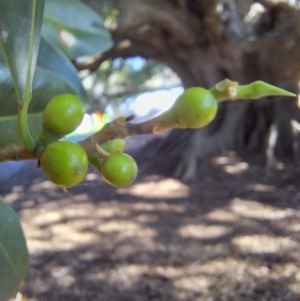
{"points": [[53, 59], [20, 28], [74, 28], [46, 85], [14, 256]]}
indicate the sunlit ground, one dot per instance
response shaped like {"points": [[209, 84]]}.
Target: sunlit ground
{"points": [[232, 235]]}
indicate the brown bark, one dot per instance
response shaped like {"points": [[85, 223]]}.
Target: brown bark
{"points": [[207, 41]]}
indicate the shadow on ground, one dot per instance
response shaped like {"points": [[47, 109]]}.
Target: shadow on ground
{"points": [[232, 234]]}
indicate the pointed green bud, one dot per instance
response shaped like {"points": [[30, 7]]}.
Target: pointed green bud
{"points": [[229, 90], [259, 89]]}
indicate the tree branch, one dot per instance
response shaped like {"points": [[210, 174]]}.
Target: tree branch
{"points": [[16, 153], [118, 128]]}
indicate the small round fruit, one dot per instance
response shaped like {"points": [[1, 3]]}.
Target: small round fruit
{"points": [[64, 163], [94, 160], [195, 108], [63, 114], [119, 170], [114, 146]]}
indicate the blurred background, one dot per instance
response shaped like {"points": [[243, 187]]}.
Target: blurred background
{"points": [[214, 213]]}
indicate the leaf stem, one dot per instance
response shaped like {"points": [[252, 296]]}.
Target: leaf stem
{"points": [[24, 131]]}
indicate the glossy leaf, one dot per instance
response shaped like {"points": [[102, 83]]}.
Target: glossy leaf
{"points": [[53, 59], [14, 256], [46, 85], [20, 30], [74, 28], [9, 129]]}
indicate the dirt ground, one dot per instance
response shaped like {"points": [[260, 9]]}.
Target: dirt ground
{"points": [[232, 234]]}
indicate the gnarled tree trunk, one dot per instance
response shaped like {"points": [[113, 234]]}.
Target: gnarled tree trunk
{"points": [[207, 41]]}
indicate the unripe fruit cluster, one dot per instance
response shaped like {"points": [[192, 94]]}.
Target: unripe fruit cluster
{"points": [[66, 163]]}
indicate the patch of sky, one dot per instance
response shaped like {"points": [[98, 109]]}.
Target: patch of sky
{"points": [[135, 63]]}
